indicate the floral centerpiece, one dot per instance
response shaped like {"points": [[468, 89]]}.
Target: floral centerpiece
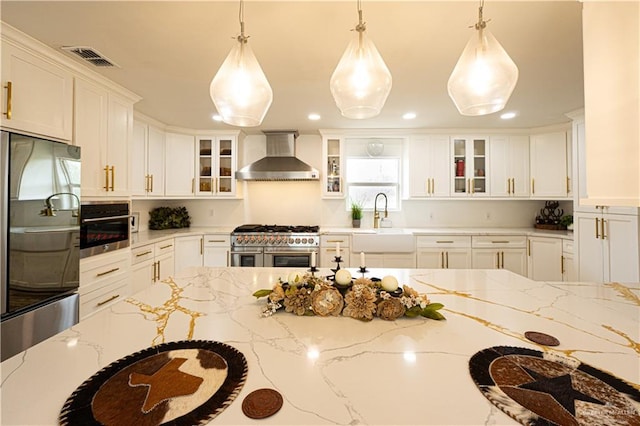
{"points": [[364, 299]]}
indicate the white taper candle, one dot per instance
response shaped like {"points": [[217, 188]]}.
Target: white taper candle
{"points": [[362, 264]]}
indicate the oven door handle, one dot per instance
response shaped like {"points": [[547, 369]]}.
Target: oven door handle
{"points": [[283, 252], [104, 219], [245, 252]]}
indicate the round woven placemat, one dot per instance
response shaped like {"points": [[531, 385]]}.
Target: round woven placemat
{"points": [[262, 403], [183, 383], [538, 388]]}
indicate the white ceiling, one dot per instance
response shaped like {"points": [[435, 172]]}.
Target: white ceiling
{"points": [[168, 52]]}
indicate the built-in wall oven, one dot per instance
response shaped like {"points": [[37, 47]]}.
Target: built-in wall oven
{"points": [[104, 227], [274, 245]]}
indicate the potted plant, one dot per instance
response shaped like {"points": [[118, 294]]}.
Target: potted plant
{"points": [[356, 214], [567, 222]]}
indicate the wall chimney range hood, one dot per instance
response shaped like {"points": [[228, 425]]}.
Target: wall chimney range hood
{"points": [[280, 164]]}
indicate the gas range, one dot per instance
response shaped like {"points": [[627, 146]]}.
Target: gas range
{"points": [[285, 236]]}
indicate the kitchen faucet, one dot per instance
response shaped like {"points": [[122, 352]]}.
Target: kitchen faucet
{"points": [[50, 210], [376, 213]]}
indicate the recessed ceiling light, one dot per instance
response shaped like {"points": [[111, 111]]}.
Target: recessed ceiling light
{"points": [[217, 117], [508, 115], [409, 115], [314, 117]]}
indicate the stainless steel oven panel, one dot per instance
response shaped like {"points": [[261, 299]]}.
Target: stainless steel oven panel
{"points": [[287, 259], [250, 257], [104, 227]]}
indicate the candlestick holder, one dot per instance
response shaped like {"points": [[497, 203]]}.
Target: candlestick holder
{"points": [[337, 260], [313, 269], [363, 270]]}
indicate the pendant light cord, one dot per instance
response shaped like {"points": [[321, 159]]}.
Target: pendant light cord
{"points": [[242, 38], [362, 26], [481, 22]]}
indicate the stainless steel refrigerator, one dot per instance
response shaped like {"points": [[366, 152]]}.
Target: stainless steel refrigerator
{"points": [[40, 241]]}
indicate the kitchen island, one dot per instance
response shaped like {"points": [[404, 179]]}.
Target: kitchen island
{"points": [[338, 370]]}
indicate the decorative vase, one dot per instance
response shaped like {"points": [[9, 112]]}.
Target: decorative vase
{"points": [[355, 223]]}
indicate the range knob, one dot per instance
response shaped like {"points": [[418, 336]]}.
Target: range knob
{"points": [[297, 240], [304, 241]]}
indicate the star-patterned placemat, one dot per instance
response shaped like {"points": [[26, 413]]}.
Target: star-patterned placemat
{"points": [[186, 383], [537, 388]]}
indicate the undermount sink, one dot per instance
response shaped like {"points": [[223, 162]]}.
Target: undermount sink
{"points": [[383, 240]]}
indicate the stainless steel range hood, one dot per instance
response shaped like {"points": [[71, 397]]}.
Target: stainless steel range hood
{"points": [[280, 162]]}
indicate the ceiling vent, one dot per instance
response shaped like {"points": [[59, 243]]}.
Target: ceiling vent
{"points": [[91, 55]]}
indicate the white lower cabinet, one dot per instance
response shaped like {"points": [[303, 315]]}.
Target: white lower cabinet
{"points": [[328, 244], [385, 260], [151, 263], [217, 249], [104, 279], [607, 247], [500, 252], [545, 259], [569, 273], [189, 251], [443, 252]]}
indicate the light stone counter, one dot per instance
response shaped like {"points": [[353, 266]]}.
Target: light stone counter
{"points": [[149, 237], [460, 231], [339, 370]]}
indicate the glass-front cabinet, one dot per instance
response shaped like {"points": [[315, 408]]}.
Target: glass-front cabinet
{"points": [[469, 166], [215, 166], [332, 174]]}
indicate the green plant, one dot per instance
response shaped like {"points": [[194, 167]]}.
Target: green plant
{"points": [[566, 220], [356, 210], [169, 217]]}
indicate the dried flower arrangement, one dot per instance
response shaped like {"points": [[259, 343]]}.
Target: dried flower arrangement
{"points": [[363, 300]]}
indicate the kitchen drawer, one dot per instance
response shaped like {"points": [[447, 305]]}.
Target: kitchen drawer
{"points": [[330, 240], [141, 254], [444, 241], [217, 240], [567, 246], [501, 241], [163, 247], [103, 297], [96, 269]]}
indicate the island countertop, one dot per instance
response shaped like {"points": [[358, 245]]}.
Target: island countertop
{"points": [[338, 370]]}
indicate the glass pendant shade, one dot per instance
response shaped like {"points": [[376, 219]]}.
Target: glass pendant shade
{"points": [[484, 77], [361, 82], [240, 90]]}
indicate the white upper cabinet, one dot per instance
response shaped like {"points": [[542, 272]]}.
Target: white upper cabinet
{"points": [[428, 171], [37, 94], [180, 170], [549, 174], [216, 162], [469, 166], [333, 160], [147, 160], [103, 129], [509, 174]]}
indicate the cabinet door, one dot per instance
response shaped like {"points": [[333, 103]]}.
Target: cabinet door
{"points": [[142, 276], [216, 256], [138, 155], [165, 265], [548, 156], [180, 174], [621, 252], [90, 133], [469, 166], [188, 252], [430, 258], [226, 163], [428, 157], [332, 155], [514, 260], [545, 259], [458, 259], [485, 259], [519, 165], [41, 94], [155, 161], [120, 125], [568, 268], [590, 251]]}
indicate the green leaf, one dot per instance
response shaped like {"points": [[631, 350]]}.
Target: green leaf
{"points": [[413, 312], [262, 293], [432, 314], [434, 306]]}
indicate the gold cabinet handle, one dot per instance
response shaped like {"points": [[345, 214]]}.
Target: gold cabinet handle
{"points": [[502, 259], [497, 260], [442, 260], [468, 186], [499, 242], [597, 227], [568, 185], [602, 233], [158, 262], [153, 279], [509, 186], [562, 265], [151, 190], [167, 246], [9, 88], [529, 248], [100, 274], [193, 186], [444, 242], [213, 185], [201, 246], [513, 186], [447, 257], [427, 185], [106, 177], [143, 253], [335, 241], [114, 297], [472, 187], [533, 186], [113, 177], [216, 241], [228, 258]]}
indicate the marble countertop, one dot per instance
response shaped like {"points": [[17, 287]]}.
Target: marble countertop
{"points": [[340, 370]]}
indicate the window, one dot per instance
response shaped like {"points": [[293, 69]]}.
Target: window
{"points": [[368, 176]]}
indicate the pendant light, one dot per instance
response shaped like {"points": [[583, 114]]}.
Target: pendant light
{"points": [[240, 91], [485, 76], [361, 82]]}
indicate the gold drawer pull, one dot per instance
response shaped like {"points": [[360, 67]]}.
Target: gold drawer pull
{"points": [[104, 302], [143, 254], [499, 242], [335, 241], [107, 272], [167, 246], [216, 241], [444, 242]]}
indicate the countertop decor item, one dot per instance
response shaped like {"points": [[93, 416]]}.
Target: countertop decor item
{"points": [[541, 388], [262, 403], [186, 382], [169, 217], [550, 216], [356, 214], [364, 299]]}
